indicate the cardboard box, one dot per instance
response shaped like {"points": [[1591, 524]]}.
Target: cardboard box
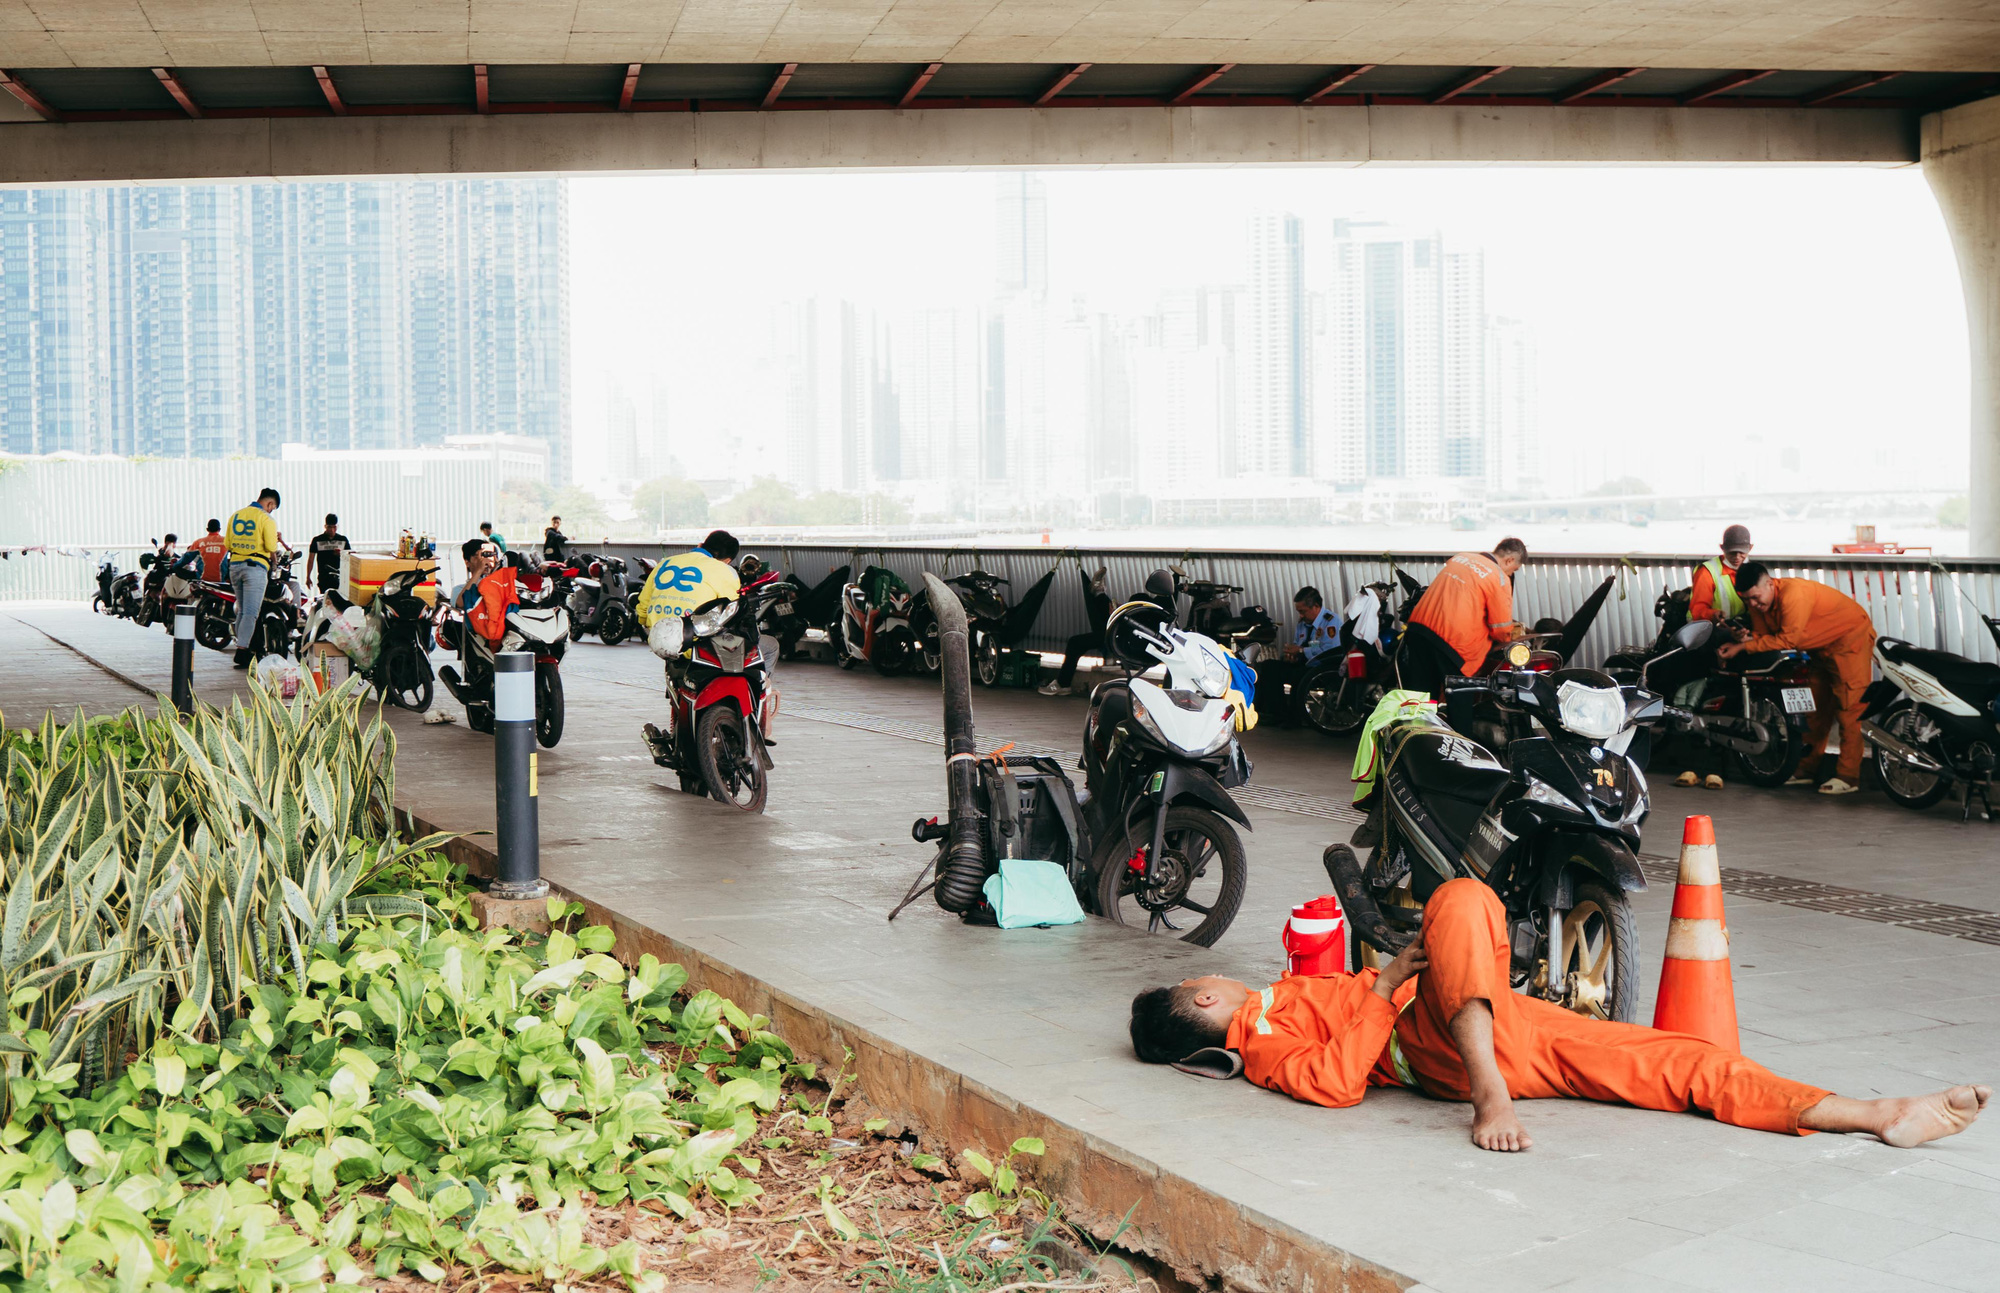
{"points": [[362, 575]]}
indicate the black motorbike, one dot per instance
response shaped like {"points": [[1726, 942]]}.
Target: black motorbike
{"points": [[600, 598], [402, 619], [1213, 614], [1933, 719], [1554, 831], [794, 609], [993, 624], [117, 594], [1343, 687]]}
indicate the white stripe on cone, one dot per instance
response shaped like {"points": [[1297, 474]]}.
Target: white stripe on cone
{"points": [[1700, 864], [1697, 940]]}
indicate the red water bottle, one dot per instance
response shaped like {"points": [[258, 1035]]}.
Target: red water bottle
{"points": [[1315, 938]]}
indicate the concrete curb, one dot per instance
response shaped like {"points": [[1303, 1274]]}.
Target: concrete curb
{"points": [[1208, 1240]]}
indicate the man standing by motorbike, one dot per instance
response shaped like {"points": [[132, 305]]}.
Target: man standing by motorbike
{"points": [[1836, 633], [681, 584], [1467, 608], [323, 554], [253, 541], [1316, 632], [555, 544], [1713, 596]]}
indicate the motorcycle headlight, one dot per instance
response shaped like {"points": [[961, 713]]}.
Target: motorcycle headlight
{"points": [[1212, 676], [1596, 713], [708, 622], [1221, 738]]}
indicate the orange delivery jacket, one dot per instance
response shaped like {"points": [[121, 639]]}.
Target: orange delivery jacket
{"points": [[1465, 603]]}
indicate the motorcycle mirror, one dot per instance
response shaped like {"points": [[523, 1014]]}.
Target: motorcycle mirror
{"points": [[1694, 634], [1161, 584]]}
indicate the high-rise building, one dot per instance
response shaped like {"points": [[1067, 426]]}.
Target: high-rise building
{"points": [[1271, 352], [209, 321], [829, 418], [621, 432], [1513, 445], [1015, 449]]}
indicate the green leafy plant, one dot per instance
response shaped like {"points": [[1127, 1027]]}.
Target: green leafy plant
{"points": [[1003, 1193]]}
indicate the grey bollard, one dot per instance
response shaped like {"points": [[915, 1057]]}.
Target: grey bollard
{"points": [[518, 874], [184, 659]]}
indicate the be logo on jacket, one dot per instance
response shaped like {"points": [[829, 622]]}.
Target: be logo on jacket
{"points": [[681, 584]]}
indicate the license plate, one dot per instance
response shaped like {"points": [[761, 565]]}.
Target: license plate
{"points": [[1799, 700]]}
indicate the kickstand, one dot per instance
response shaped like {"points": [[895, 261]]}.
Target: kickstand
{"points": [[918, 886]]}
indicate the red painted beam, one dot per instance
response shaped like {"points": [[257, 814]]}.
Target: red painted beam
{"points": [[1859, 81], [631, 87], [174, 87], [481, 97], [28, 97], [1202, 82], [778, 85], [1478, 76], [1345, 75], [1602, 81], [1060, 84], [326, 87], [917, 86], [1724, 84]]}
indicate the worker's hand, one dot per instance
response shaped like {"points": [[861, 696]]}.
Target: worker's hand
{"points": [[1729, 650], [1408, 963], [1292, 653]]}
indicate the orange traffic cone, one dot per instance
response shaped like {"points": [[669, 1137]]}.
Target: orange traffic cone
{"points": [[1695, 996]]}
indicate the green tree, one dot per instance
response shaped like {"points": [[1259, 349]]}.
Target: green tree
{"points": [[669, 502], [584, 518], [1623, 487], [1955, 513], [766, 501]]}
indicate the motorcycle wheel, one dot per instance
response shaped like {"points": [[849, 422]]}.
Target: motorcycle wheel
{"points": [[892, 654], [1205, 875], [986, 661], [837, 635], [406, 679], [548, 705], [215, 632], [1910, 787], [1774, 766], [1338, 705], [734, 773], [1600, 937], [97, 604], [615, 626], [925, 626]]}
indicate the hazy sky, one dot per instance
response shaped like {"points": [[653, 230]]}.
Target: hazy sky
{"points": [[1678, 312]]}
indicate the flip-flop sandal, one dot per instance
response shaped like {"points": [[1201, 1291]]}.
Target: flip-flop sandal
{"points": [[1711, 782], [1687, 779]]}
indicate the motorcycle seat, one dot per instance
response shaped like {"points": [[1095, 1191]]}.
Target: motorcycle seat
{"points": [[1973, 680]]}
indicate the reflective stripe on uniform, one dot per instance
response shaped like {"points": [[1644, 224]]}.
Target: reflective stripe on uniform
{"points": [[1263, 1025]]}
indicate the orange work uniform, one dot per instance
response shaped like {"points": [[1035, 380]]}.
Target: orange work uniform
{"points": [[213, 548], [1810, 616], [1326, 1040], [1470, 605]]}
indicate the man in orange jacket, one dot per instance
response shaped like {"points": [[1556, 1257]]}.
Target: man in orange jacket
{"points": [[1805, 615], [1467, 608], [1461, 1033]]}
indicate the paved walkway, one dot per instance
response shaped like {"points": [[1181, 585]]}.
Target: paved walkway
{"points": [[1609, 1198]]}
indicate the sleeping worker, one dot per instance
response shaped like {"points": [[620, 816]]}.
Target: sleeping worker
{"points": [[1459, 1032]]}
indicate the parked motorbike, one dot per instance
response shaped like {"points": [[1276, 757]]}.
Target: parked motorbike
{"points": [[401, 620], [543, 630], [1933, 719], [1554, 831], [118, 594], [1212, 613], [156, 604], [722, 698], [991, 622], [1753, 706], [600, 599], [1546, 649], [1342, 689], [635, 586], [1161, 761], [874, 626], [279, 619]]}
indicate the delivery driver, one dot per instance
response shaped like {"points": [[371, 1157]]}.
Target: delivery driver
{"points": [[1466, 609], [1461, 1033], [682, 585], [1713, 596], [253, 539], [1805, 615]]}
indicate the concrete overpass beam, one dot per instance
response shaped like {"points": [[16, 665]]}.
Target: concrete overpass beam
{"points": [[1961, 152]]}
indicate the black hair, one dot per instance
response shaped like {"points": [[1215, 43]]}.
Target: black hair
{"points": [[272, 494], [1749, 574], [1511, 547], [214, 526], [1309, 595], [331, 519], [171, 538], [470, 546], [721, 545], [1167, 1025], [484, 526]]}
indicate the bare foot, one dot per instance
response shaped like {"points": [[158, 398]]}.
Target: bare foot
{"points": [[1917, 1119], [1496, 1128]]}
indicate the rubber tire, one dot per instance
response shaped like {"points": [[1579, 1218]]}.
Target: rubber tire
{"points": [[891, 658], [1622, 927], [615, 625], [985, 659], [214, 632], [930, 651], [1881, 757], [705, 736], [479, 718], [1337, 723], [392, 664], [1229, 849], [1780, 773], [548, 705]]}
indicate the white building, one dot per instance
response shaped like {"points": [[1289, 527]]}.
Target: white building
{"points": [[1273, 373]]}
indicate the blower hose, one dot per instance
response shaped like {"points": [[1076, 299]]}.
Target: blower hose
{"points": [[1344, 869], [962, 870]]}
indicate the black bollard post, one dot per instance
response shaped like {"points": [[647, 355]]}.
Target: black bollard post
{"points": [[518, 874], [184, 659]]}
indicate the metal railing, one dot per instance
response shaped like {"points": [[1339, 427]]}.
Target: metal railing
{"points": [[1926, 602]]}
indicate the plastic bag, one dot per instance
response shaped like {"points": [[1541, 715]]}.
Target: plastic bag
{"points": [[356, 636], [279, 675], [1025, 891], [667, 635]]}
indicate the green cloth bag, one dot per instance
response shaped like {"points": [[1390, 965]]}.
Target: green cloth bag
{"points": [[1395, 707], [1027, 892]]}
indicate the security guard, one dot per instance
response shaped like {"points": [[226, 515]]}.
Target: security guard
{"points": [[253, 539], [682, 584]]}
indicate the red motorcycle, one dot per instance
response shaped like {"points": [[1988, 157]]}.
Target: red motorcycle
{"points": [[721, 695]]}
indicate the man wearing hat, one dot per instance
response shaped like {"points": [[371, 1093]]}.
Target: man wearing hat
{"points": [[1714, 596]]}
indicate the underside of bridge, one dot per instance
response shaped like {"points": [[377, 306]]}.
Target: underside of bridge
{"points": [[113, 90]]}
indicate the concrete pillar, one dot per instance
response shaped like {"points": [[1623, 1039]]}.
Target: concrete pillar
{"points": [[1961, 158]]}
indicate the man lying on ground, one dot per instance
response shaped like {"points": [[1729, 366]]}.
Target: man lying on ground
{"points": [[1460, 1032]]}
